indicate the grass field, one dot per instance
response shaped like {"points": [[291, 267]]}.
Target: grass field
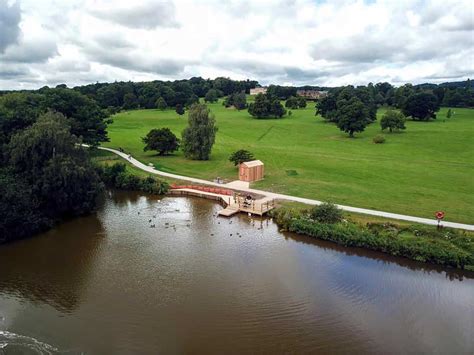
{"points": [[428, 167]]}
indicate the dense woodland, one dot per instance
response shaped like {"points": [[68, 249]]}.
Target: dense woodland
{"points": [[45, 176]]}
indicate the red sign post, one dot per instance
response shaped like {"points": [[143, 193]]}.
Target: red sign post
{"points": [[439, 216]]}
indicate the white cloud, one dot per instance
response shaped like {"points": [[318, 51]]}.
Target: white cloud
{"points": [[295, 41]]}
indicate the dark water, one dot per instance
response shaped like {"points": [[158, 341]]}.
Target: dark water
{"points": [[110, 284]]}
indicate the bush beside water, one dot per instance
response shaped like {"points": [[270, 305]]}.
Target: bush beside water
{"points": [[422, 243], [116, 176]]}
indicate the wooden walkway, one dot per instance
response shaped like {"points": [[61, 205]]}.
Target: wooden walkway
{"points": [[234, 204]]}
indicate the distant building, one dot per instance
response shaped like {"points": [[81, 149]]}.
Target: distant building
{"points": [[311, 94], [255, 91]]}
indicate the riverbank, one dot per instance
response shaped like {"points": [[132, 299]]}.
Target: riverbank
{"points": [[447, 247], [151, 169]]}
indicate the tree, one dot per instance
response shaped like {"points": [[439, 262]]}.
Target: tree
{"points": [[301, 102], [18, 111], [47, 156], [393, 120], [162, 140], [87, 120], [277, 109], [179, 109], [130, 101], [326, 108], [199, 137], [211, 96], [292, 103], [422, 106], [20, 213], [352, 116], [161, 103], [449, 114], [266, 106], [241, 156], [295, 102], [237, 99]]}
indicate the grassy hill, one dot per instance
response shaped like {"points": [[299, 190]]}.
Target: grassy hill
{"points": [[428, 167]]}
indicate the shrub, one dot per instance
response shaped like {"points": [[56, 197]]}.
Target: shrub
{"points": [[379, 139], [422, 243], [116, 176], [240, 156], [326, 213]]}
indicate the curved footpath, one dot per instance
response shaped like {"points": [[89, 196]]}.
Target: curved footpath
{"points": [[276, 196]]}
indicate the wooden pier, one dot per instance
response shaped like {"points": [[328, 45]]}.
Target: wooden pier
{"points": [[233, 204], [241, 204]]}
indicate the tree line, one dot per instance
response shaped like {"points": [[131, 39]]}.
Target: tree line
{"points": [[353, 108], [45, 175]]}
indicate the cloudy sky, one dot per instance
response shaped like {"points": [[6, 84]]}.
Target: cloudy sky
{"points": [[293, 42]]}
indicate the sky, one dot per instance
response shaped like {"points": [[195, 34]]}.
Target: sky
{"points": [[286, 42]]}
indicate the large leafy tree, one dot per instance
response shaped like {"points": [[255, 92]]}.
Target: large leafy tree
{"points": [[422, 106], [292, 103], [352, 116], [237, 99], [179, 109], [130, 101], [162, 140], [211, 96], [20, 210], [199, 137], [326, 107], [393, 120], [161, 103], [18, 111], [86, 119], [47, 156], [266, 105], [241, 156]]}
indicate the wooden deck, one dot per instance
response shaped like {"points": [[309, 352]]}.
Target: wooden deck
{"points": [[228, 211], [239, 204], [234, 204]]}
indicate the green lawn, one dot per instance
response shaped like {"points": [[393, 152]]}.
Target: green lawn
{"points": [[428, 167]]}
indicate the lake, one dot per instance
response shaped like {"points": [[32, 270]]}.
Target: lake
{"points": [[111, 283]]}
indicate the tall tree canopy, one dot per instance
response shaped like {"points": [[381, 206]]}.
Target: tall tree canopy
{"points": [[87, 120], [212, 96], [199, 137], [47, 156], [265, 106], [352, 116], [422, 106], [162, 140], [237, 99], [393, 120]]}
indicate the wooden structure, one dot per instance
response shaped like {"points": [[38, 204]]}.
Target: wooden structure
{"points": [[251, 171], [233, 204], [248, 205]]}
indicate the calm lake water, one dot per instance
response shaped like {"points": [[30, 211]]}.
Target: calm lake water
{"points": [[111, 284]]}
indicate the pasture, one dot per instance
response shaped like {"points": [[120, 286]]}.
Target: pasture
{"points": [[428, 167]]}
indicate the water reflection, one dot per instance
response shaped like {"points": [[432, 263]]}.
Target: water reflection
{"points": [[44, 271], [449, 273]]}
